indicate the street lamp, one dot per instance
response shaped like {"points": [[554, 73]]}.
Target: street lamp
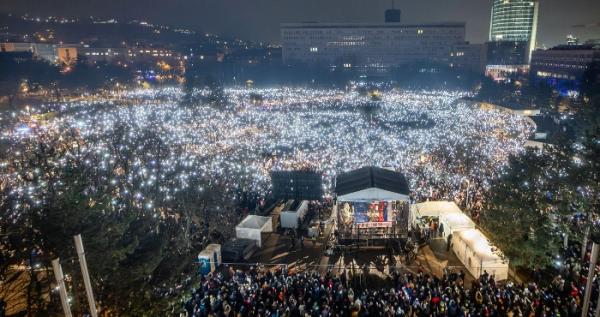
{"points": [[595, 237], [466, 191]]}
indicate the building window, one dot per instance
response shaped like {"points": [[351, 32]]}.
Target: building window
{"points": [[314, 49]]}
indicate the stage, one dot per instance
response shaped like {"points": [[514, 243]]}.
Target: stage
{"points": [[371, 206], [371, 223]]}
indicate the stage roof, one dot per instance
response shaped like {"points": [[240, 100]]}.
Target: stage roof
{"points": [[371, 183]]}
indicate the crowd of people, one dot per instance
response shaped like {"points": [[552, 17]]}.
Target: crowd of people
{"points": [[146, 153], [267, 293], [434, 137], [263, 292]]}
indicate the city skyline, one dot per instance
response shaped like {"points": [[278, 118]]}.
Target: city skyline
{"points": [[259, 20]]}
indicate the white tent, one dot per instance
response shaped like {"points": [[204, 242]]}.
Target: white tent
{"points": [[289, 218], [473, 249], [433, 209], [453, 222], [252, 228]]}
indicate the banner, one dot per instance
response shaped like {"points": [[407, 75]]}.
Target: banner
{"points": [[370, 212], [364, 225]]}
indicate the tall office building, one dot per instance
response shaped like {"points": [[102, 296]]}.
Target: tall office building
{"points": [[512, 37], [393, 15], [514, 20]]}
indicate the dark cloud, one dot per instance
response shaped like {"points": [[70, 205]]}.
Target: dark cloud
{"points": [[260, 19]]}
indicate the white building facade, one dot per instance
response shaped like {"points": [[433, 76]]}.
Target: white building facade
{"points": [[45, 51], [371, 46]]}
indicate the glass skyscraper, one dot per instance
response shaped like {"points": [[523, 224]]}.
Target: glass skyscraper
{"points": [[513, 28], [514, 21]]}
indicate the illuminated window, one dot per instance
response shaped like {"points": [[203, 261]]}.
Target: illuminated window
{"points": [[419, 31], [314, 49]]}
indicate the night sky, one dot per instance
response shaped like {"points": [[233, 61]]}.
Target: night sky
{"points": [[259, 19]]}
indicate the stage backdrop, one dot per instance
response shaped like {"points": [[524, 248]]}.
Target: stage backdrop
{"points": [[371, 215]]}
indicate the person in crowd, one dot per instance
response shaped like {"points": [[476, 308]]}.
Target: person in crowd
{"points": [[279, 293]]}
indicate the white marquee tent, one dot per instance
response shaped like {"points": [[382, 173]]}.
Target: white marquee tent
{"points": [[474, 250], [453, 222], [433, 209], [252, 228], [289, 216]]}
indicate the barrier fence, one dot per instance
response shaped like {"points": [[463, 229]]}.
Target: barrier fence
{"points": [[300, 267]]}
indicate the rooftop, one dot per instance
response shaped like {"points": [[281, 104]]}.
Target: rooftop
{"points": [[392, 25], [371, 177]]}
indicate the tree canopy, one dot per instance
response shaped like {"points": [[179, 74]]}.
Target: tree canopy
{"points": [[534, 202]]}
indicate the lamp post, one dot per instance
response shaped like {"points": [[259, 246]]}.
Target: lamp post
{"points": [[595, 237], [467, 192], [86, 276], [62, 290], [596, 240]]}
